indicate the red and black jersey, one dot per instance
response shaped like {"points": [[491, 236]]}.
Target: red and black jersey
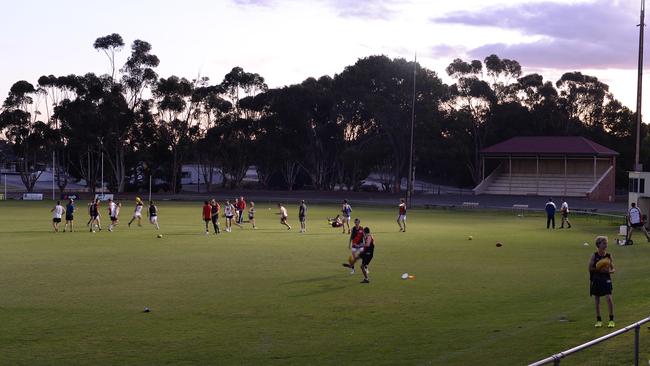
{"points": [[402, 209], [207, 212], [357, 235]]}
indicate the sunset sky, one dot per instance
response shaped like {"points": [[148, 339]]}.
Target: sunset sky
{"points": [[287, 41]]}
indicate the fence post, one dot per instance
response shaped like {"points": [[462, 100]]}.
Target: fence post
{"points": [[636, 345]]}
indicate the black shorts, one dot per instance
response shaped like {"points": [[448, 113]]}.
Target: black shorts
{"points": [[229, 217], [637, 225], [215, 219], [56, 220], [302, 218], [251, 217], [600, 287], [366, 258], [113, 218], [69, 217], [565, 214]]}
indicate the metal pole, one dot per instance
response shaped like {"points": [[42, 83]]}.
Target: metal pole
{"points": [[409, 189], [53, 159], [149, 187], [102, 150], [5, 187], [636, 345], [637, 166]]}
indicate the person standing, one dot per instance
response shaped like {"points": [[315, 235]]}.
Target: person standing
{"points": [[251, 214], [153, 215], [635, 221], [214, 212], [207, 215], [367, 252], [401, 216], [346, 210], [69, 215], [302, 216], [57, 213], [601, 280], [550, 213], [93, 211], [564, 212], [283, 216], [113, 213]]}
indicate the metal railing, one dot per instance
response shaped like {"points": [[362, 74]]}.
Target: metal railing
{"points": [[556, 358]]}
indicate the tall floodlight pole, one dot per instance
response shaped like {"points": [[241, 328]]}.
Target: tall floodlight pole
{"points": [[101, 143], [53, 163], [637, 165], [409, 189]]}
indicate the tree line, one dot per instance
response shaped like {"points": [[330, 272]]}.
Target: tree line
{"points": [[320, 134]]}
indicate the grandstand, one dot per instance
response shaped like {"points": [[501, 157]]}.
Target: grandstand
{"points": [[568, 166]]}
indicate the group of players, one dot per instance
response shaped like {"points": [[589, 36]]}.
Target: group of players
{"points": [[94, 221], [361, 242]]}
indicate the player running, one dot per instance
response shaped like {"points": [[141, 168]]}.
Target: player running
{"points": [[215, 208], [57, 213], [401, 217], [355, 244], [346, 210], [241, 207], [635, 221], [302, 216], [283, 216], [93, 211], [69, 215], [153, 215], [137, 212]]}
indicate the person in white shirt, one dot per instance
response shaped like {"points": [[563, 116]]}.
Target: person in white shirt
{"points": [[114, 213], [229, 210], [635, 221], [283, 216], [137, 213], [564, 213], [57, 213]]}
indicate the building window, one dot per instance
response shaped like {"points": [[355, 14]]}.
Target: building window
{"points": [[642, 185]]}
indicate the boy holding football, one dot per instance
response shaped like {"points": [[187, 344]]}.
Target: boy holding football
{"points": [[601, 267]]}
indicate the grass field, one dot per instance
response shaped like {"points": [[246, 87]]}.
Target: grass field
{"points": [[275, 297]]}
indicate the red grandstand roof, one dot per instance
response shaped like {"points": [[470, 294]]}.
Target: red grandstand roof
{"points": [[549, 145]]}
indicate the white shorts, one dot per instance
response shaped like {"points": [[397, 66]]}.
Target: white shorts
{"points": [[153, 219], [346, 219], [137, 215], [356, 250], [401, 218]]}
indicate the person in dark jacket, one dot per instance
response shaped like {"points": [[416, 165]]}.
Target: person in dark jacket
{"points": [[550, 213]]}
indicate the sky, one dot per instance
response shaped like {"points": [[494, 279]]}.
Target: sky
{"points": [[287, 41]]}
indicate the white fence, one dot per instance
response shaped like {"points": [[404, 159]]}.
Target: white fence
{"points": [[557, 358]]}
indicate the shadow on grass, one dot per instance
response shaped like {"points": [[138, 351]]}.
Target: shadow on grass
{"points": [[320, 285]]}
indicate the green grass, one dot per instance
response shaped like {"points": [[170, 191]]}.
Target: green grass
{"points": [[274, 297]]}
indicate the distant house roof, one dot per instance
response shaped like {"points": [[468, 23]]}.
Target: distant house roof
{"points": [[549, 145]]}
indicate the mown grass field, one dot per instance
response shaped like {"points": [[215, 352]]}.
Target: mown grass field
{"points": [[277, 297]]}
